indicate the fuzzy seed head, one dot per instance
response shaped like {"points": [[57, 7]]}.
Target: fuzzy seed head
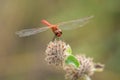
{"points": [[55, 52], [87, 67]]}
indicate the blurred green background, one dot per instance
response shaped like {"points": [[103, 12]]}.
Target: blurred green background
{"points": [[23, 58]]}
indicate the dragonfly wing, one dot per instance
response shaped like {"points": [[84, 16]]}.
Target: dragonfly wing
{"points": [[74, 24], [28, 32]]}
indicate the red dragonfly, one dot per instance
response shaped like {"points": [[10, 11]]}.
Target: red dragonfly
{"points": [[56, 29]]}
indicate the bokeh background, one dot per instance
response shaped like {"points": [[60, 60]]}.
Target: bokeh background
{"points": [[23, 58]]}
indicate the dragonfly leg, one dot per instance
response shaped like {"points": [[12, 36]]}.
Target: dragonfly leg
{"points": [[55, 38]]}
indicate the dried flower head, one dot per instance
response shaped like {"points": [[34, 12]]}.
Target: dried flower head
{"points": [[55, 52], [87, 68]]}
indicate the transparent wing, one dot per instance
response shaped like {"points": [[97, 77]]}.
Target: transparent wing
{"points": [[75, 23], [28, 32]]}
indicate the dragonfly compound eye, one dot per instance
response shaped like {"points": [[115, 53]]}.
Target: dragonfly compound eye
{"points": [[60, 32]]}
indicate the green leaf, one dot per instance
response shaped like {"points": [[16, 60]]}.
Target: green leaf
{"points": [[68, 50], [72, 60]]}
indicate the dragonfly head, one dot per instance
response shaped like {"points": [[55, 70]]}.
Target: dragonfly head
{"points": [[58, 32]]}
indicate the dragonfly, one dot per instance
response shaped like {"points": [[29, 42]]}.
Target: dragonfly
{"points": [[56, 28]]}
